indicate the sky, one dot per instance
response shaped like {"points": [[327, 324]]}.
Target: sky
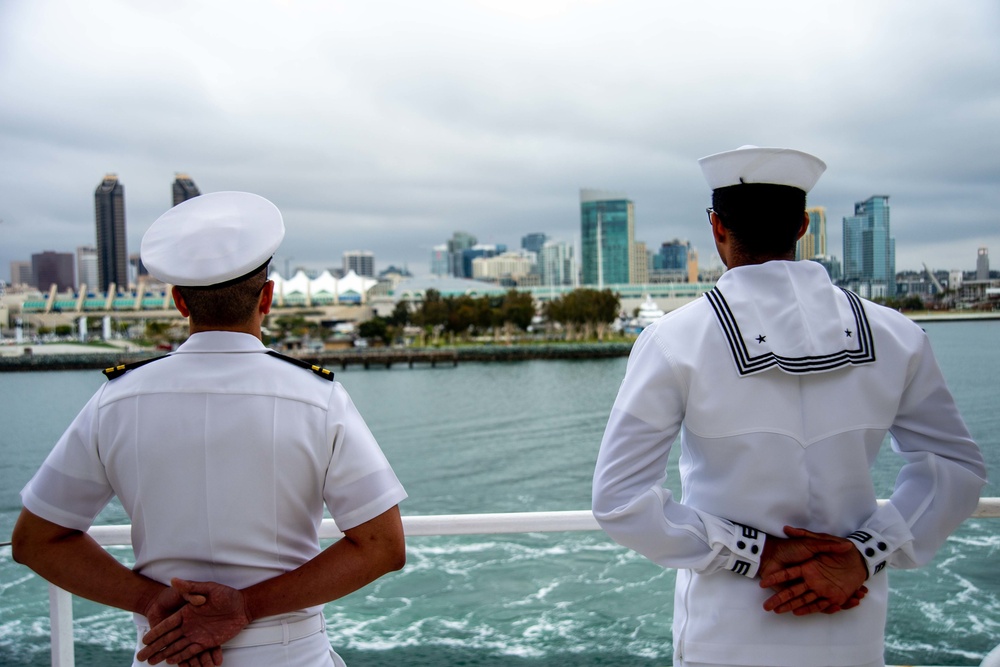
{"points": [[389, 125]]}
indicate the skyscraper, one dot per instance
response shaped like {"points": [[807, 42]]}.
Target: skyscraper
{"points": [[184, 188], [813, 242], [86, 267], [607, 232], [50, 268], [20, 273], [534, 241], [983, 264], [457, 245], [112, 249], [440, 260], [869, 250], [362, 262], [556, 263]]}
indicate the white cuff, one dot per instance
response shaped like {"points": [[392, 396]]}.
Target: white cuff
{"points": [[746, 550], [874, 549]]}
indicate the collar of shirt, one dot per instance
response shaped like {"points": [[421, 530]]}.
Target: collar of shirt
{"points": [[789, 315], [220, 341]]}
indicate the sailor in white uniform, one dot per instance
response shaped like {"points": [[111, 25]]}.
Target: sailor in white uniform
{"points": [[782, 387], [223, 454]]}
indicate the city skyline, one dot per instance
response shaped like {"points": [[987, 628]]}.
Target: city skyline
{"points": [[389, 128], [110, 195]]}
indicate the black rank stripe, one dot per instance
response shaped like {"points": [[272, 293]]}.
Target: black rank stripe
{"points": [[747, 364]]}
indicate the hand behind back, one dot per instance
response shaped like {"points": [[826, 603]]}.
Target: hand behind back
{"points": [[194, 633], [812, 572]]}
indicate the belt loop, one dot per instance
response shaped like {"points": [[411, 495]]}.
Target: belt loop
{"points": [[284, 633]]}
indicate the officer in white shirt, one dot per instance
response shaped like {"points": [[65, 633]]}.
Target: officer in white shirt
{"points": [[782, 387], [223, 454]]}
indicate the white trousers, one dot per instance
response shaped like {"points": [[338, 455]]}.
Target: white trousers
{"points": [[311, 651]]}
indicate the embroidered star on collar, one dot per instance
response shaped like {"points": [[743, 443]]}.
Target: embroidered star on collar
{"points": [[761, 338], [847, 332]]}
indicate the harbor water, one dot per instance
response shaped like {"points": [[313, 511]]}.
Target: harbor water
{"points": [[513, 437]]}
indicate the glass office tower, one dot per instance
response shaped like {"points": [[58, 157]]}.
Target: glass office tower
{"points": [[869, 250], [112, 249], [607, 234]]}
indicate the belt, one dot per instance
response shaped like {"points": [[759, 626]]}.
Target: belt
{"points": [[281, 633]]}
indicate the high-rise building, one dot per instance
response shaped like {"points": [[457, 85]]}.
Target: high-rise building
{"points": [[869, 250], [484, 250], [534, 242], [112, 249], [983, 264], [457, 245], [813, 242], [607, 233], [638, 266], [362, 262], [510, 265], [440, 260], [184, 188], [20, 273], [556, 264], [52, 268], [86, 267]]}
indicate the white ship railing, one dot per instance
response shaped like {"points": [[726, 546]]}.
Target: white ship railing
{"points": [[61, 602]]}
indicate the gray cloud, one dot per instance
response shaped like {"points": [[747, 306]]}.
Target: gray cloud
{"points": [[387, 126]]}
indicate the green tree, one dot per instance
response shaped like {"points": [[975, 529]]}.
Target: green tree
{"points": [[375, 330]]}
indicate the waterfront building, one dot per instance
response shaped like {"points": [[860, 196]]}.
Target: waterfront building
{"points": [[869, 249], [675, 262], [638, 266], [112, 249], [53, 268], [511, 266], [86, 267], [813, 242], [440, 260], [478, 250], [457, 245], [20, 274], [557, 264], [184, 188], [362, 262], [983, 264], [534, 242], [607, 235], [831, 264]]}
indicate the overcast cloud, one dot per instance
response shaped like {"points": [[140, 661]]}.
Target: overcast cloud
{"points": [[387, 126]]}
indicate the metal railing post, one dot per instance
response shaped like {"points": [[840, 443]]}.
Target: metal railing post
{"points": [[61, 622]]}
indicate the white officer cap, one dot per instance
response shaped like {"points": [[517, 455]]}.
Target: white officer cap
{"points": [[212, 239], [751, 164]]}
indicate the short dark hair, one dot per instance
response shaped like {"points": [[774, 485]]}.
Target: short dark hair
{"points": [[763, 218], [230, 304]]}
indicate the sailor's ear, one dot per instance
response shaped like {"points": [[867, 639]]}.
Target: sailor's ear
{"points": [[179, 302]]}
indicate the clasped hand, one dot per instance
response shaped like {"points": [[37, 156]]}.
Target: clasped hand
{"points": [[204, 616], [812, 572]]}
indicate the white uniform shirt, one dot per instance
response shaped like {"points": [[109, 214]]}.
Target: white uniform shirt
{"points": [[782, 388], [223, 458]]}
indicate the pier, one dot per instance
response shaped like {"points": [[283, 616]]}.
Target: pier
{"points": [[375, 357]]}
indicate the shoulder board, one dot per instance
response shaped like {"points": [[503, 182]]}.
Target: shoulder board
{"points": [[121, 369], [318, 370]]}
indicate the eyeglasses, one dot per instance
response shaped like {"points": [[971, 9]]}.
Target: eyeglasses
{"points": [[709, 211]]}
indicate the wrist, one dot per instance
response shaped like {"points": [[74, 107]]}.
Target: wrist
{"points": [[873, 550], [748, 551]]}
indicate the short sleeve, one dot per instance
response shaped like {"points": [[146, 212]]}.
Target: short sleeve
{"points": [[360, 484], [71, 487]]}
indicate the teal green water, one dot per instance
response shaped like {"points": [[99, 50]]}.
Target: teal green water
{"points": [[515, 437]]}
